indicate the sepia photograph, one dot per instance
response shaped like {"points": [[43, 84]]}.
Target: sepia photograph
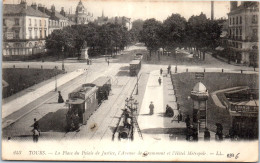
{"points": [[130, 80]]}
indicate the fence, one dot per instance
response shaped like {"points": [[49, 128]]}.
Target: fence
{"points": [[24, 51]]}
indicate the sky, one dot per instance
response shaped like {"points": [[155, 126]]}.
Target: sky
{"points": [[138, 9]]}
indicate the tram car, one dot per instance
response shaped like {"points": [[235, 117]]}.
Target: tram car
{"points": [[104, 87], [135, 66], [84, 100], [82, 103]]}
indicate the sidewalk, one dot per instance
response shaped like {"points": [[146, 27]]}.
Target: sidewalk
{"points": [[21, 101], [158, 126]]}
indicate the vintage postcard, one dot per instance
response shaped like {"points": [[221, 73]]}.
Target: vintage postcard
{"points": [[130, 80]]}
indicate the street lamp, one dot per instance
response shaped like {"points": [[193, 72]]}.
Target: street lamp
{"points": [[136, 84], [63, 68], [135, 104], [131, 100]]}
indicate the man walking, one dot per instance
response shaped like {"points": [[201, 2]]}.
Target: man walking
{"points": [[160, 81], [161, 71], [151, 107]]}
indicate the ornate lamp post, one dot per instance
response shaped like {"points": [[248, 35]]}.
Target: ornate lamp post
{"points": [[135, 104], [136, 84], [131, 100]]}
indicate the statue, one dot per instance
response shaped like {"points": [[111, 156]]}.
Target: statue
{"points": [[84, 51]]}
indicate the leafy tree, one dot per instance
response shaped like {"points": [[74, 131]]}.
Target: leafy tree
{"points": [[173, 35], [150, 35]]}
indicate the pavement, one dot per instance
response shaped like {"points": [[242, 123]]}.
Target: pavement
{"points": [[158, 127], [19, 102]]}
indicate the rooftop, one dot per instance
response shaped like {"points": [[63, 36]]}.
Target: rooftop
{"points": [[20, 9]]}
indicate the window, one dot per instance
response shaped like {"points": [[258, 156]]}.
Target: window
{"points": [[240, 31], [16, 21], [40, 23], [240, 19], [237, 21], [30, 33], [16, 34], [230, 21], [45, 23], [254, 19], [30, 22], [233, 21], [40, 33], [4, 23], [35, 22], [35, 34], [45, 33]]}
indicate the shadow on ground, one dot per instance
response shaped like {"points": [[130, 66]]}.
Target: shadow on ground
{"points": [[54, 121], [122, 73], [179, 131]]}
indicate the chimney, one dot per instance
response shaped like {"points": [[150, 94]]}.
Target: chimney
{"points": [[52, 10], [24, 4], [212, 10], [41, 8], [34, 6], [233, 5]]}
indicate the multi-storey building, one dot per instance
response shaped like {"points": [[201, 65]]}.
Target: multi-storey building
{"points": [[124, 21], [56, 20], [24, 29], [81, 16], [243, 32]]}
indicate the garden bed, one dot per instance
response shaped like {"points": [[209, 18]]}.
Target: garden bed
{"points": [[184, 83], [21, 78]]}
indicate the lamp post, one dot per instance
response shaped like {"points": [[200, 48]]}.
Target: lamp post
{"points": [[135, 104], [63, 68], [55, 83], [136, 84], [131, 100]]}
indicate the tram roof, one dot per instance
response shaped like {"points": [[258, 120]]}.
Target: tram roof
{"points": [[75, 101], [133, 62], [101, 81]]}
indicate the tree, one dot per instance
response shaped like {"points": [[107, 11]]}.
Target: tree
{"points": [[203, 33], [137, 26], [174, 32], [150, 35]]}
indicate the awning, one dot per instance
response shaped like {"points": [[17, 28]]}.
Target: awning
{"points": [[219, 48]]}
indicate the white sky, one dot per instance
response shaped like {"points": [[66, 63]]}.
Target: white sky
{"points": [[139, 9]]}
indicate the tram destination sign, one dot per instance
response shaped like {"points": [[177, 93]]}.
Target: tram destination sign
{"points": [[199, 75]]}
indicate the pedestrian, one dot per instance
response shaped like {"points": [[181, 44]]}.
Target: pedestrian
{"points": [[169, 69], [219, 133], [108, 62], [36, 124], [60, 99], [206, 134], [151, 107], [161, 71], [160, 81], [187, 121], [36, 135]]}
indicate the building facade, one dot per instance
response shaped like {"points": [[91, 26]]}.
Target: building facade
{"points": [[81, 16], [56, 19], [24, 29], [243, 32]]}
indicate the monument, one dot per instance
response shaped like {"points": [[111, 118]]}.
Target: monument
{"points": [[84, 52], [200, 95]]}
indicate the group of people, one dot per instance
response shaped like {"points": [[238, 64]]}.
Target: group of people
{"points": [[73, 121]]}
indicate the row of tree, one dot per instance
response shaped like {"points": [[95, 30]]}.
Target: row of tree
{"points": [[106, 39], [198, 32]]}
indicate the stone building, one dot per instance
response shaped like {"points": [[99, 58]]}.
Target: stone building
{"points": [[124, 21], [243, 32], [57, 20], [24, 29], [81, 16]]}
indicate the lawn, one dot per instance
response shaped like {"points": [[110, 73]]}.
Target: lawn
{"points": [[20, 78], [184, 82]]}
